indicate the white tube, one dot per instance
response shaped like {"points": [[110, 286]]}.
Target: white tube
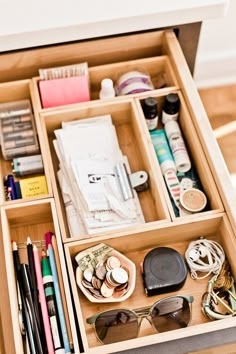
{"points": [[177, 145]]}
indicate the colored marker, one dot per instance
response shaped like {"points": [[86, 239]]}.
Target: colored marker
{"points": [[58, 299], [51, 304], [42, 301], [30, 305], [61, 284]]}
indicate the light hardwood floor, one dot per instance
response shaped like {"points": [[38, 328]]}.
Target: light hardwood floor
{"points": [[220, 105]]}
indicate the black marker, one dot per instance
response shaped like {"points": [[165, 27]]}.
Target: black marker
{"points": [[24, 269], [25, 313]]}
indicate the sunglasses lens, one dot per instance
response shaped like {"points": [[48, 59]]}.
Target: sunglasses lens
{"points": [[170, 314], [116, 325]]}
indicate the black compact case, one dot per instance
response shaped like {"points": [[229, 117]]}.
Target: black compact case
{"points": [[164, 270]]}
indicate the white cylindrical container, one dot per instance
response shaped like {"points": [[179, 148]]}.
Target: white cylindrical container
{"points": [[107, 89], [177, 145]]}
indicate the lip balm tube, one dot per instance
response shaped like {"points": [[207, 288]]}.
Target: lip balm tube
{"points": [[177, 145], [17, 127], [18, 135], [14, 113], [162, 150], [16, 120], [12, 144]]}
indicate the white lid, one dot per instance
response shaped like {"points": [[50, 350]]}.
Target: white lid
{"points": [[107, 89], [168, 165], [172, 127], [107, 84]]}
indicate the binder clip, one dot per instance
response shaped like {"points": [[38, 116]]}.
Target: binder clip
{"points": [[127, 182]]}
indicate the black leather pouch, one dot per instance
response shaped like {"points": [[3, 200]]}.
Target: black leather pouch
{"points": [[164, 270]]}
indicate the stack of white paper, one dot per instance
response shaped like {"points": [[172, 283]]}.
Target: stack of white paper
{"points": [[88, 152]]}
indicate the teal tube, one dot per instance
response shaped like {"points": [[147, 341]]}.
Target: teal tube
{"points": [[162, 149]]}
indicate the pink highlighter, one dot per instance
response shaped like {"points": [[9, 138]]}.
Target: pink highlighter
{"points": [[64, 91]]}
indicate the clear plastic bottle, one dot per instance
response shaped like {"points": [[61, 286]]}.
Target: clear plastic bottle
{"points": [[107, 89]]}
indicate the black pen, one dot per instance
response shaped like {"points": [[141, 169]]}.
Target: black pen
{"points": [[35, 291], [25, 313], [30, 305]]}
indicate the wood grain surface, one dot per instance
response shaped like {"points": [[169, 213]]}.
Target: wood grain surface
{"points": [[219, 103]]}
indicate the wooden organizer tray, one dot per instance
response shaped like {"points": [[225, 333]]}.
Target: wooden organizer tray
{"points": [[153, 66], [9, 92], [32, 219], [196, 153], [135, 247], [132, 143]]}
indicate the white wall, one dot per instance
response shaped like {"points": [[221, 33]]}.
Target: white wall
{"points": [[216, 57]]}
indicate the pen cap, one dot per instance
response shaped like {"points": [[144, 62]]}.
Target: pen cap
{"points": [[48, 238]]}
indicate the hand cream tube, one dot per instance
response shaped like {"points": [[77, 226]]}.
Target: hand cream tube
{"points": [[163, 151]]}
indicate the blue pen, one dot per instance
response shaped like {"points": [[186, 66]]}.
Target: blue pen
{"points": [[11, 186], [58, 299]]}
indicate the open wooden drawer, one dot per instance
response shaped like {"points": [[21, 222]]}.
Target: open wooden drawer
{"points": [[162, 228]]}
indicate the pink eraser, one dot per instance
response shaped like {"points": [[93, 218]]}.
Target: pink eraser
{"points": [[59, 92]]}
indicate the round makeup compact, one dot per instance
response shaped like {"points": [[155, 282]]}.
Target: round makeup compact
{"points": [[193, 200], [164, 270]]}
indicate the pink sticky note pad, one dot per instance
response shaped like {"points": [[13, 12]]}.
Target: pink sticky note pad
{"points": [[61, 92]]}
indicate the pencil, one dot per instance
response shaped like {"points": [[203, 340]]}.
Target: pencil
{"points": [[61, 285], [42, 300]]}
